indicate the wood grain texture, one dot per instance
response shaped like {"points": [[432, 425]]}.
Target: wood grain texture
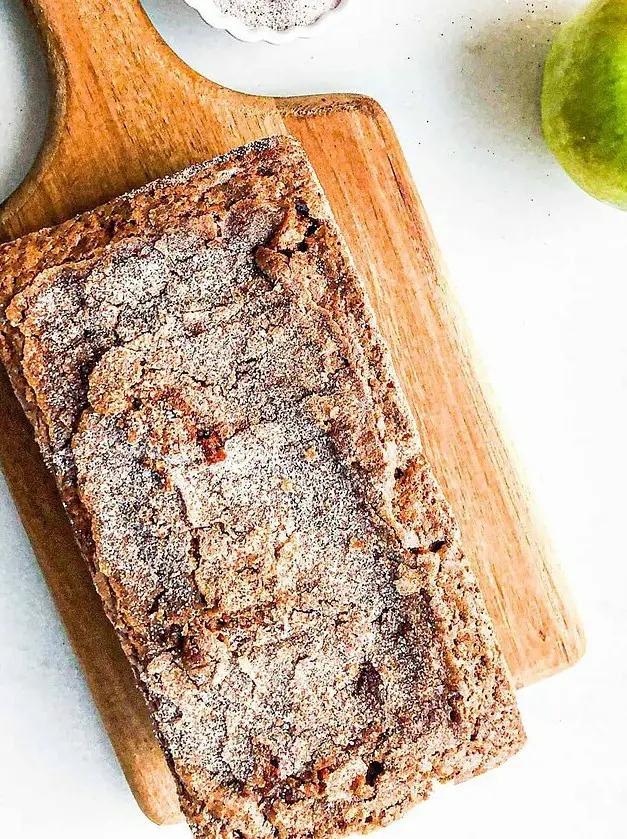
{"points": [[126, 110]]}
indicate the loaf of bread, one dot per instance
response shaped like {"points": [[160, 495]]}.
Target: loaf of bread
{"points": [[207, 383]]}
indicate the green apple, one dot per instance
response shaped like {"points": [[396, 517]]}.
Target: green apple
{"points": [[584, 100]]}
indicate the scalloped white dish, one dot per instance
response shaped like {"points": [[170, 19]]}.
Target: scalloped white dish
{"points": [[212, 15]]}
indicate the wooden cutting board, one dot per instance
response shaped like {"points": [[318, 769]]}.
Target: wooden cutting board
{"points": [[127, 110]]}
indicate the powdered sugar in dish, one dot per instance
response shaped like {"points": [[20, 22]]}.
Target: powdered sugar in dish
{"points": [[279, 15]]}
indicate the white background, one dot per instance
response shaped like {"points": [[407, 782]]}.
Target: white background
{"points": [[540, 269]]}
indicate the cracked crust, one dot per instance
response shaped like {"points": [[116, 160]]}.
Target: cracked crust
{"points": [[207, 383]]}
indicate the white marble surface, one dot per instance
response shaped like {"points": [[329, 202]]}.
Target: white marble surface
{"points": [[540, 271]]}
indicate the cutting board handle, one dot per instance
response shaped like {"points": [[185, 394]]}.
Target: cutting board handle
{"points": [[99, 45], [117, 87]]}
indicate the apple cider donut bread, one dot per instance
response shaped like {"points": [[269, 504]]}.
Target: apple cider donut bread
{"points": [[207, 383]]}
